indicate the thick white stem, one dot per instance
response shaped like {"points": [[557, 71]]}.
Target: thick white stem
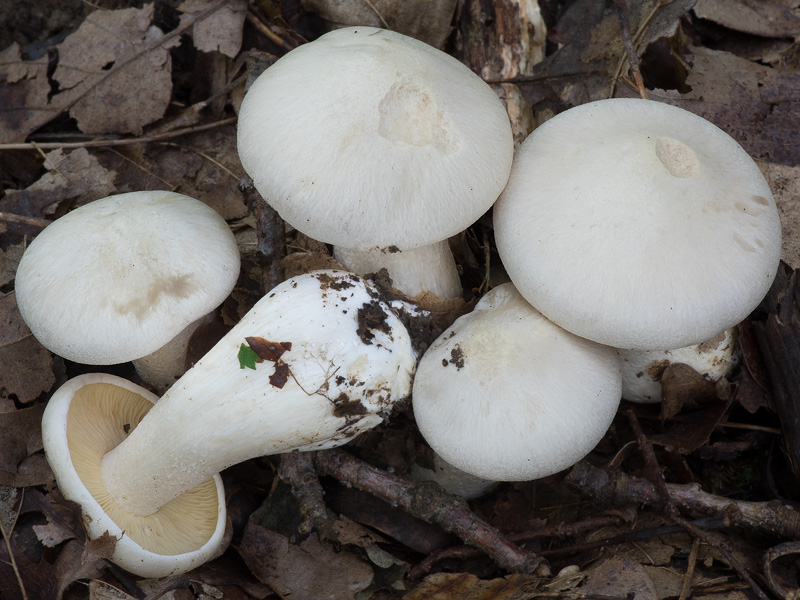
{"points": [[413, 272], [162, 368], [343, 374]]}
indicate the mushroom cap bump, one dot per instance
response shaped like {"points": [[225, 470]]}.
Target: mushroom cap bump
{"points": [[504, 394], [118, 278], [638, 224], [368, 138], [84, 419]]}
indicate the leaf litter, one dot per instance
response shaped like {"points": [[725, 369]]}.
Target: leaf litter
{"points": [[130, 72]]}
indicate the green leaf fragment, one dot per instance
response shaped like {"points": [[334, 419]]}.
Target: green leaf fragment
{"points": [[247, 357]]}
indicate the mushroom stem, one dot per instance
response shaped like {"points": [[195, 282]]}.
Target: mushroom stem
{"points": [[414, 271], [324, 371], [160, 369]]}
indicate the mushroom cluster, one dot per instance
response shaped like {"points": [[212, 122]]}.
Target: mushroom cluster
{"points": [[624, 225]]}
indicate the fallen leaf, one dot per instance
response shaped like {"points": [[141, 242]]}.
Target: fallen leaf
{"points": [[9, 259], [755, 104], [221, 31], [77, 561], [308, 571], [26, 367], [23, 94], [784, 181], [115, 73], [619, 578], [464, 586], [426, 20], [767, 18], [76, 176]]}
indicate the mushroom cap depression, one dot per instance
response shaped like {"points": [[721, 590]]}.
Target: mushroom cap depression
{"points": [[88, 416], [368, 138], [116, 279], [638, 224], [505, 394]]}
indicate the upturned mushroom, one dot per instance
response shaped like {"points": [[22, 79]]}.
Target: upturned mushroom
{"points": [[380, 145], [127, 278], [638, 224], [504, 394], [317, 361]]}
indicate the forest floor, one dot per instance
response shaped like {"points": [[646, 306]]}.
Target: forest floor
{"points": [[694, 497]]}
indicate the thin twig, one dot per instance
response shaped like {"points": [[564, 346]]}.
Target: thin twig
{"points": [[253, 19], [686, 588], [377, 12], [297, 469], [427, 501], [119, 142], [33, 221], [12, 560], [627, 42]]}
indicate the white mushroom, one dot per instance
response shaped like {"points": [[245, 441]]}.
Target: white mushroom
{"points": [[505, 394], [380, 145], [317, 361], [84, 419], [642, 369], [638, 225], [125, 277]]}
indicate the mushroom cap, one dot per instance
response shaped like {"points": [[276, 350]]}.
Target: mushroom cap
{"points": [[85, 418], [638, 225], [116, 279], [366, 137], [642, 369], [505, 394]]}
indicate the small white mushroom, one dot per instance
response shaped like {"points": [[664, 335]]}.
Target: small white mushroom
{"points": [[125, 277], [638, 224], [642, 369], [380, 145], [317, 361], [504, 394]]}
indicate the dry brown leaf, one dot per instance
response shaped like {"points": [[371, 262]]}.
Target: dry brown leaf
{"points": [[139, 89], [767, 18], [20, 436], [76, 561], [306, 572], [26, 367], [426, 20], [784, 181], [9, 259], [616, 577], [23, 94], [76, 176], [220, 31], [463, 586], [755, 104]]}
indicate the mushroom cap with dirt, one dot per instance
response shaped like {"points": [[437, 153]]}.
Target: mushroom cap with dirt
{"points": [[638, 224], [381, 145], [318, 360], [504, 394], [122, 277]]}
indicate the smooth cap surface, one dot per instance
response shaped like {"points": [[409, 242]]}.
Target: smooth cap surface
{"points": [[84, 419], [505, 394], [116, 279], [368, 138], [638, 224]]}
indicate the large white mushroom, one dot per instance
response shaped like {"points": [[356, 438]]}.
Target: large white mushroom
{"points": [[128, 277], [380, 145], [638, 224], [504, 394], [317, 361]]}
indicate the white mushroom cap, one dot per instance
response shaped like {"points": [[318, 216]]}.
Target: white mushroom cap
{"points": [[84, 419], [642, 369], [366, 137], [505, 394], [118, 278], [638, 225], [340, 359]]}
